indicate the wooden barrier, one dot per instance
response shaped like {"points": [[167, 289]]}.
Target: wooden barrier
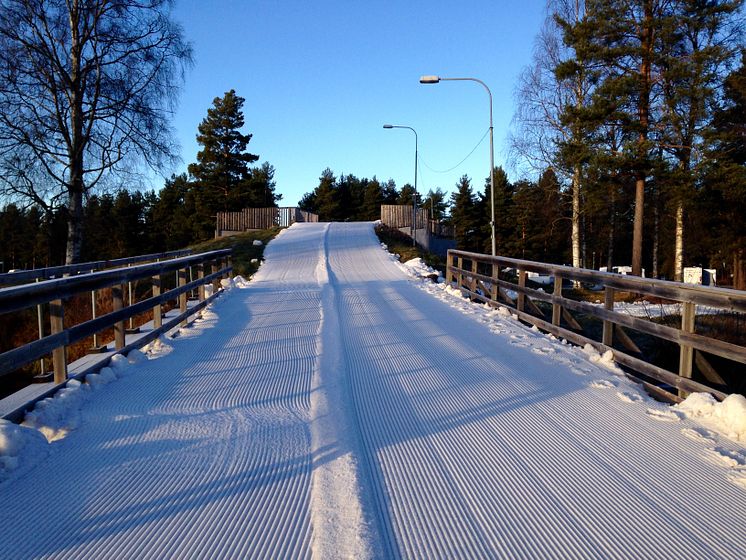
{"points": [[400, 216], [484, 278], [54, 291], [261, 218]]}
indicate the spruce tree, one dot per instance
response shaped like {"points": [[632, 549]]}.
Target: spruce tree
{"points": [[464, 216]]}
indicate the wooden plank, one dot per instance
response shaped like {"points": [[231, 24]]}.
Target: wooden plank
{"points": [[59, 356], [200, 276], [182, 296], [521, 305], [571, 320], [157, 309], [624, 338], [556, 306], [709, 372]]}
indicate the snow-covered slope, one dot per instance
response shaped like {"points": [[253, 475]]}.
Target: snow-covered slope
{"points": [[340, 408]]}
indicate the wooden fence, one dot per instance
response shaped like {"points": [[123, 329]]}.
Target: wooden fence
{"points": [[209, 267], [400, 216], [491, 279], [260, 218]]}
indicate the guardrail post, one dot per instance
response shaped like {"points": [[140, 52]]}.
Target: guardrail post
{"points": [[460, 274], [215, 281], [200, 276], [117, 303], [59, 354], [556, 307], [40, 320], [450, 276], [608, 334], [473, 287], [182, 296], [132, 328], [522, 284], [229, 262], [686, 353], [157, 310], [93, 316], [495, 277]]}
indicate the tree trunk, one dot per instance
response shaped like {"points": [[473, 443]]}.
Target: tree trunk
{"points": [[76, 147], [656, 231], [612, 229], [576, 217], [643, 113], [637, 231], [739, 270], [74, 226], [678, 257]]}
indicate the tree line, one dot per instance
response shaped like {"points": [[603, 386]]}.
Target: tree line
{"points": [[129, 222], [638, 106]]}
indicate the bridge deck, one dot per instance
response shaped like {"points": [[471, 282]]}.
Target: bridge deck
{"points": [[335, 408]]}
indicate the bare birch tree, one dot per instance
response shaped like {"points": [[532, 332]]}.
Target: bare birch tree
{"points": [[86, 89], [542, 99]]}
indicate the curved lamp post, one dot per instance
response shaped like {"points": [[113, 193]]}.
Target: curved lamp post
{"points": [[435, 80], [414, 196]]}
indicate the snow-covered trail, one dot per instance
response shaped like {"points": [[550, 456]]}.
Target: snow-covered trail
{"points": [[336, 409]]}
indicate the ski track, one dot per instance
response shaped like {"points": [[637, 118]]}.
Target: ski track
{"points": [[337, 409]]}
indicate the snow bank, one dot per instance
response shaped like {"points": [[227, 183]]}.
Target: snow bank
{"points": [[20, 448], [55, 416], [418, 268], [240, 282], [257, 243], [727, 417], [606, 359]]}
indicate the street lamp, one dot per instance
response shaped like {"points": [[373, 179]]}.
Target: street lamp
{"points": [[414, 196], [435, 80]]}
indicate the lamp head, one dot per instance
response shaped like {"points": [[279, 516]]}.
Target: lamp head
{"points": [[429, 79], [388, 126]]}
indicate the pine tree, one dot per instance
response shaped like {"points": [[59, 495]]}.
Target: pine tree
{"points": [[222, 166], [696, 47], [727, 174], [624, 39]]}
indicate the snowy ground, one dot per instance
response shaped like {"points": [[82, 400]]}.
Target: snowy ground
{"points": [[340, 407]]}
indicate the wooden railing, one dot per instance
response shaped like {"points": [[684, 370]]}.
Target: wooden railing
{"points": [[23, 276], [400, 216], [53, 292], [261, 218], [490, 279]]}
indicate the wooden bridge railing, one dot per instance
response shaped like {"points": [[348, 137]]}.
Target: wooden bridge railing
{"points": [[54, 291], [488, 279], [23, 276]]}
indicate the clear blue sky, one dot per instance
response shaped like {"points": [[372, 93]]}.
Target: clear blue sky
{"points": [[321, 78]]}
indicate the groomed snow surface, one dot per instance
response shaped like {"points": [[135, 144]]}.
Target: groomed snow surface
{"points": [[341, 406]]}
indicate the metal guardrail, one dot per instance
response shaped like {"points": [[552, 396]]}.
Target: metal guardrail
{"points": [[483, 278]]}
